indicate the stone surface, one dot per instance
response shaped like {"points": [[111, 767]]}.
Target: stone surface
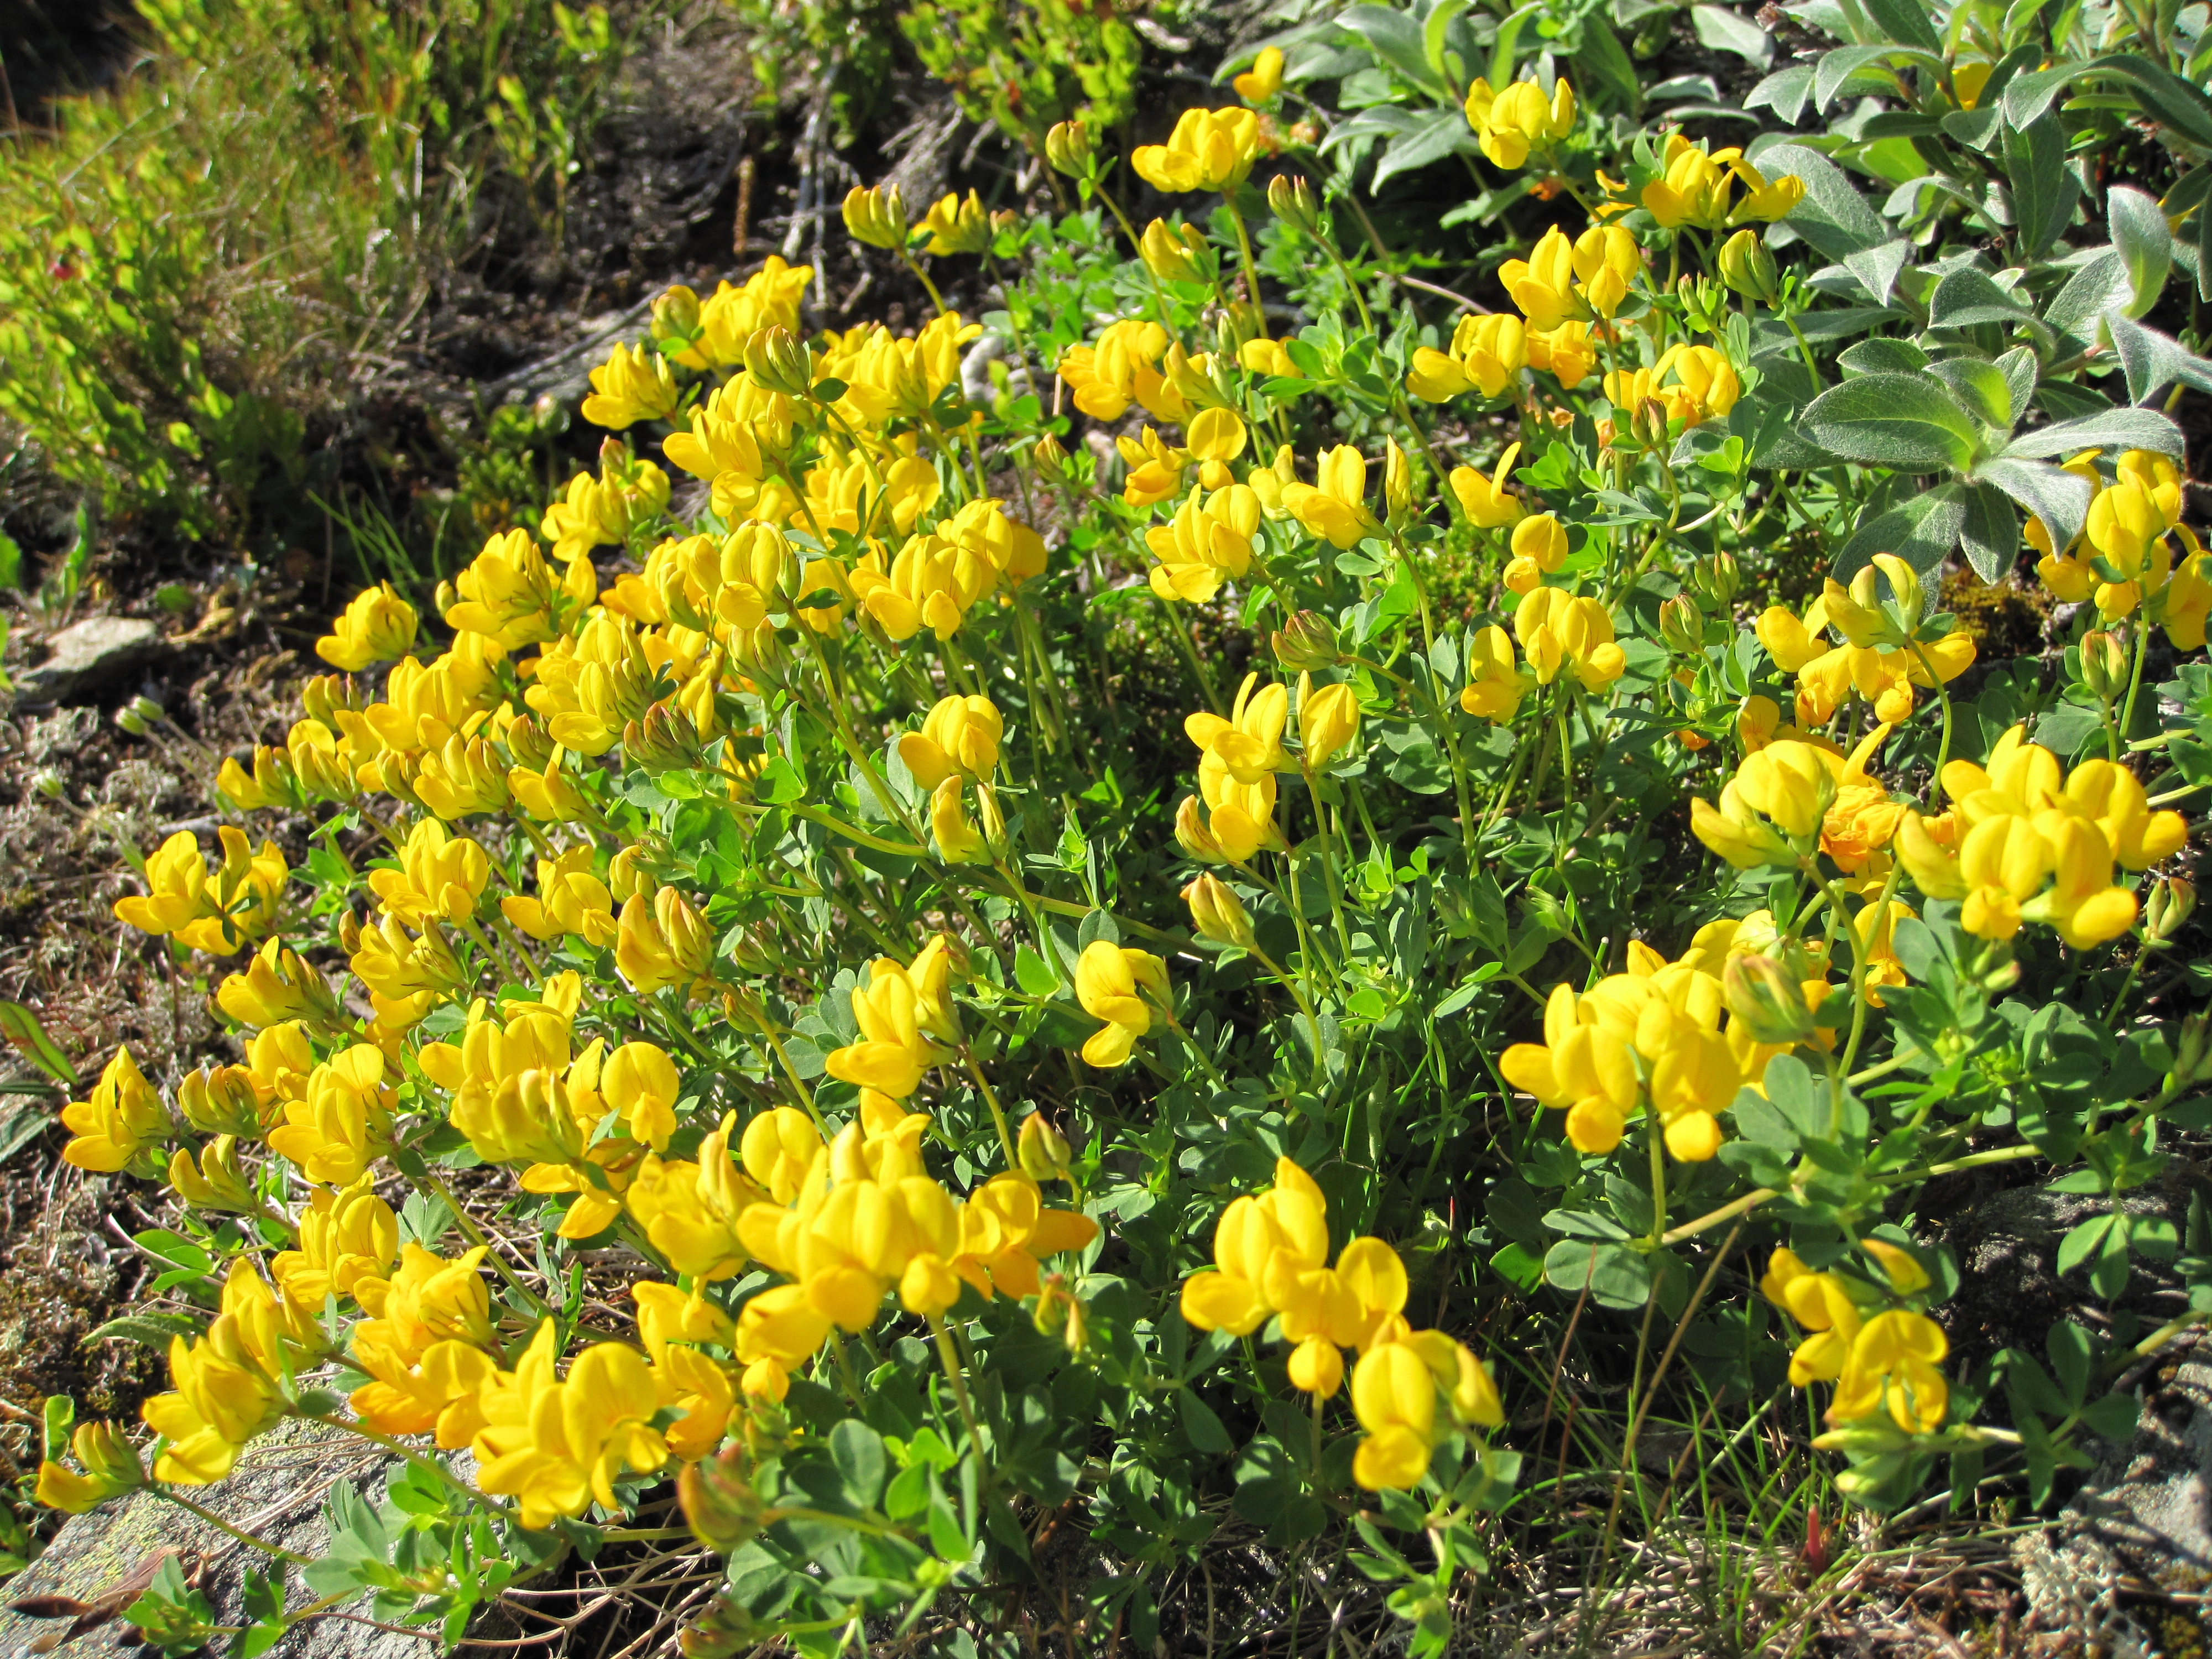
{"points": [[87, 655], [2145, 1515], [277, 1493]]}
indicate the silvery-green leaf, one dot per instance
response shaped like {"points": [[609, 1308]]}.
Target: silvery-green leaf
{"points": [[2095, 288], [1834, 216], [2140, 233], [1981, 386], [1920, 530], [2044, 188], [2018, 367], [1724, 30], [1877, 268], [2120, 428], [1906, 421], [2059, 498], [1989, 530], [2153, 361]]}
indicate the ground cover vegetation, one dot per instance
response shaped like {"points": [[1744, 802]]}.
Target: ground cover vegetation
{"points": [[1247, 937]]}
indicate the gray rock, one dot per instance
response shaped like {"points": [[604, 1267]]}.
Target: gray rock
{"points": [[277, 1493], [87, 655], [2144, 1515]]}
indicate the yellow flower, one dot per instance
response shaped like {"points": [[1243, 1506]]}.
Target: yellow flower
{"points": [[441, 875], [1819, 1303], [425, 1351], [1859, 822], [876, 216], [123, 1117], [633, 385], [1289, 1221], [1240, 817], [343, 1123], [345, 1237], [557, 1445], [1173, 253], [1516, 117], [1486, 502], [1216, 914], [691, 1210], [509, 594], [1487, 352], [1335, 507], [1328, 721], [1118, 368], [1248, 745], [1562, 632], [1566, 352], [226, 1383], [377, 626], [640, 1081], [661, 942], [1394, 1394], [1208, 542], [217, 911], [1893, 1363], [959, 737], [1126, 989], [1264, 79], [1695, 188], [957, 225], [571, 900], [1539, 547], [1209, 150], [1584, 1067], [1494, 686], [907, 1020], [111, 1464]]}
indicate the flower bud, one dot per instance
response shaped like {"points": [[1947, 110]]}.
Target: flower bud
{"points": [[1075, 1333], [137, 717], [1328, 721], [2103, 663], [1067, 147], [1171, 252], [778, 361], [675, 321], [1305, 642], [1716, 579], [348, 932], [1292, 200], [690, 941], [50, 783], [723, 1509], [1048, 455], [1682, 625], [529, 745], [991, 819], [1218, 914], [1747, 267], [1649, 423], [1397, 480], [1194, 836], [220, 1101], [2168, 908], [2191, 1060], [727, 1629], [629, 876], [663, 741], [1765, 1000], [1042, 1150], [877, 217]]}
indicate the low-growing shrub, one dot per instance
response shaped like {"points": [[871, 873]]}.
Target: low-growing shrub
{"points": [[1058, 980]]}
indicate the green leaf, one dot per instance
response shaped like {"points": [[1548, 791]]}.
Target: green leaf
{"points": [[2044, 188], [1905, 22], [1882, 356], [154, 1330], [2114, 1417], [1981, 386], [1395, 38], [2162, 95], [1785, 91], [1034, 974], [2061, 498], [2029, 95], [1448, 134], [1877, 270], [2144, 242], [2073, 1351], [1604, 62], [1920, 530], [1968, 299], [1616, 1275], [2118, 429], [1201, 1426], [1790, 1087], [20, 1027], [2083, 1241], [2090, 292], [1894, 419], [1989, 530], [779, 783], [2153, 361], [1834, 216], [1723, 30], [858, 1452]]}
